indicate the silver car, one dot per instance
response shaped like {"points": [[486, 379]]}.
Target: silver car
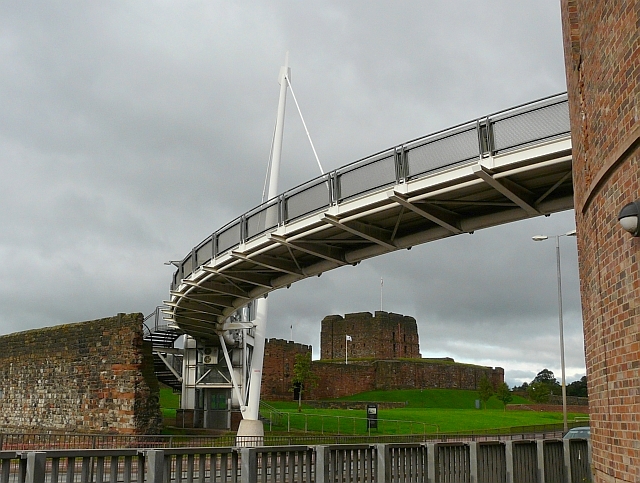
{"points": [[582, 432]]}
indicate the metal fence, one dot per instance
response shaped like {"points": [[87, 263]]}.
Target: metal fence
{"points": [[63, 441], [551, 461], [519, 127]]}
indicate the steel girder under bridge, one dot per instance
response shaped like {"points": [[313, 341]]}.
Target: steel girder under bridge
{"points": [[504, 167]]}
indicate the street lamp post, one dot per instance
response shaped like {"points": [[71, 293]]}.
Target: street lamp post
{"points": [[560, 322]]}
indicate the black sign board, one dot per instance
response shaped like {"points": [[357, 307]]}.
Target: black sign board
{"points": [[372, 416]]}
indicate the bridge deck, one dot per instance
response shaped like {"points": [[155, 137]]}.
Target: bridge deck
{"points": [[502, 168]]}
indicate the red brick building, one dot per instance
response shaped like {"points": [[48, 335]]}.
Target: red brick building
{"points": [[602, 59]]}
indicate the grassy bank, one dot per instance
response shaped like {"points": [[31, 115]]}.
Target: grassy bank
{"points": [[428, 410]]}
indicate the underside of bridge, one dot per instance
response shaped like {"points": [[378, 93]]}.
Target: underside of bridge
{"points": [[505, 167], [406, 196]]}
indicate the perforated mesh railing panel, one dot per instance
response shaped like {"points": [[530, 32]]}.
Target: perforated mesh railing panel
{"points": [[262, 220], [444, 151], [308, 200], [187, 266], [229, 237], [367, 176], [528, 127], [518, 127], [204, 252]]}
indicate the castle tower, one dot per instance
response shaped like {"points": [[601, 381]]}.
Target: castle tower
{"points": [[381, 336]]}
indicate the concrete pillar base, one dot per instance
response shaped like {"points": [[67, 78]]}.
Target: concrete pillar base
{"points": [[250, 433]]}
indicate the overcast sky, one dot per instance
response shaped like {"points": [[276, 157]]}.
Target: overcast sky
{"points": [[130, 131]]}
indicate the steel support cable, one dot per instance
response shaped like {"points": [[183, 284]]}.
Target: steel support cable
{"points": [[304, 124]]}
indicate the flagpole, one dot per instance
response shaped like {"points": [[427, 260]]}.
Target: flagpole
{"points": [[381, 285], [346, 349]]}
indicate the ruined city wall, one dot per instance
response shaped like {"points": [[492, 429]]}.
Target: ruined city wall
{"points": [[89, 377]]}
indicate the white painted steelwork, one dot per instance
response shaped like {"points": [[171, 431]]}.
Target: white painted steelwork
{"points": [[504, 167]]}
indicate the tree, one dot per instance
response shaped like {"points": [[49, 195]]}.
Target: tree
{"points": [[578, 388], [303, 377], [546, 377], [539, 392], [504, 394], [485, 389]]}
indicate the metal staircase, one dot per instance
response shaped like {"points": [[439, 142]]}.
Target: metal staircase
{"points": [[167, 360]]}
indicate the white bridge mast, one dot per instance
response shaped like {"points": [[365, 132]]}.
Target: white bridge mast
{"points": [[251, 431]]}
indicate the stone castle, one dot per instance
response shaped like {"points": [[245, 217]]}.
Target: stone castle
{"points": [[383, 336], [384, 354]]}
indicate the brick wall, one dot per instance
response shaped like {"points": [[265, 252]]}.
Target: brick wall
{"points": [[602, 60], [335, 379], [85, 377], [384, 355], [277, 373], [382, 336], [338, 379]]}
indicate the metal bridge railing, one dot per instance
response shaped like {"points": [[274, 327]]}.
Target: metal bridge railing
{"points": [[515, 128]]}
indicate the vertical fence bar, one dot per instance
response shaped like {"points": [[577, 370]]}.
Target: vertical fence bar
{"points": [[155, 458], [508, 452], [100, 469], [473, 461], [431, 463], [4, 470], [35, 470], [249, 465], [566, 447], [540, 460], [113, 469], [55, 470], [126, 473]]}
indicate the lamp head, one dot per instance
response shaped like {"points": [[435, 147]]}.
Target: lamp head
{"points": [[629, 216], [539, 237]]}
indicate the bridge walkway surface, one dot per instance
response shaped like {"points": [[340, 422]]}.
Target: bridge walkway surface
{"points": [[504, 167]]}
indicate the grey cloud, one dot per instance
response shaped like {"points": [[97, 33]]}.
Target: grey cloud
{"points": [[131, 131]]}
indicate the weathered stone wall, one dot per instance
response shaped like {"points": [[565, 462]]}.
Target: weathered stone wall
{"points": [[85, 377], [337, 379], [390, 347], [602, 60], [383, 336], [277, 372]]}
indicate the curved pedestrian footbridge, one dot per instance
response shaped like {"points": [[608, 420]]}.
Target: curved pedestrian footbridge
{"points": [[504, 167]]}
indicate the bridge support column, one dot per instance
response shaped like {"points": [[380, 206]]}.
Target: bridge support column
{"points": [[250, 433]]}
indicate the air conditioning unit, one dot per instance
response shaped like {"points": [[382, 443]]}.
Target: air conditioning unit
{"points": [[210, 355]]}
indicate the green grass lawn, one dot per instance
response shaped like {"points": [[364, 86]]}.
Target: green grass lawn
{"points": [[169, 402], [431, 398], [429, 410], [413, 420]]}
